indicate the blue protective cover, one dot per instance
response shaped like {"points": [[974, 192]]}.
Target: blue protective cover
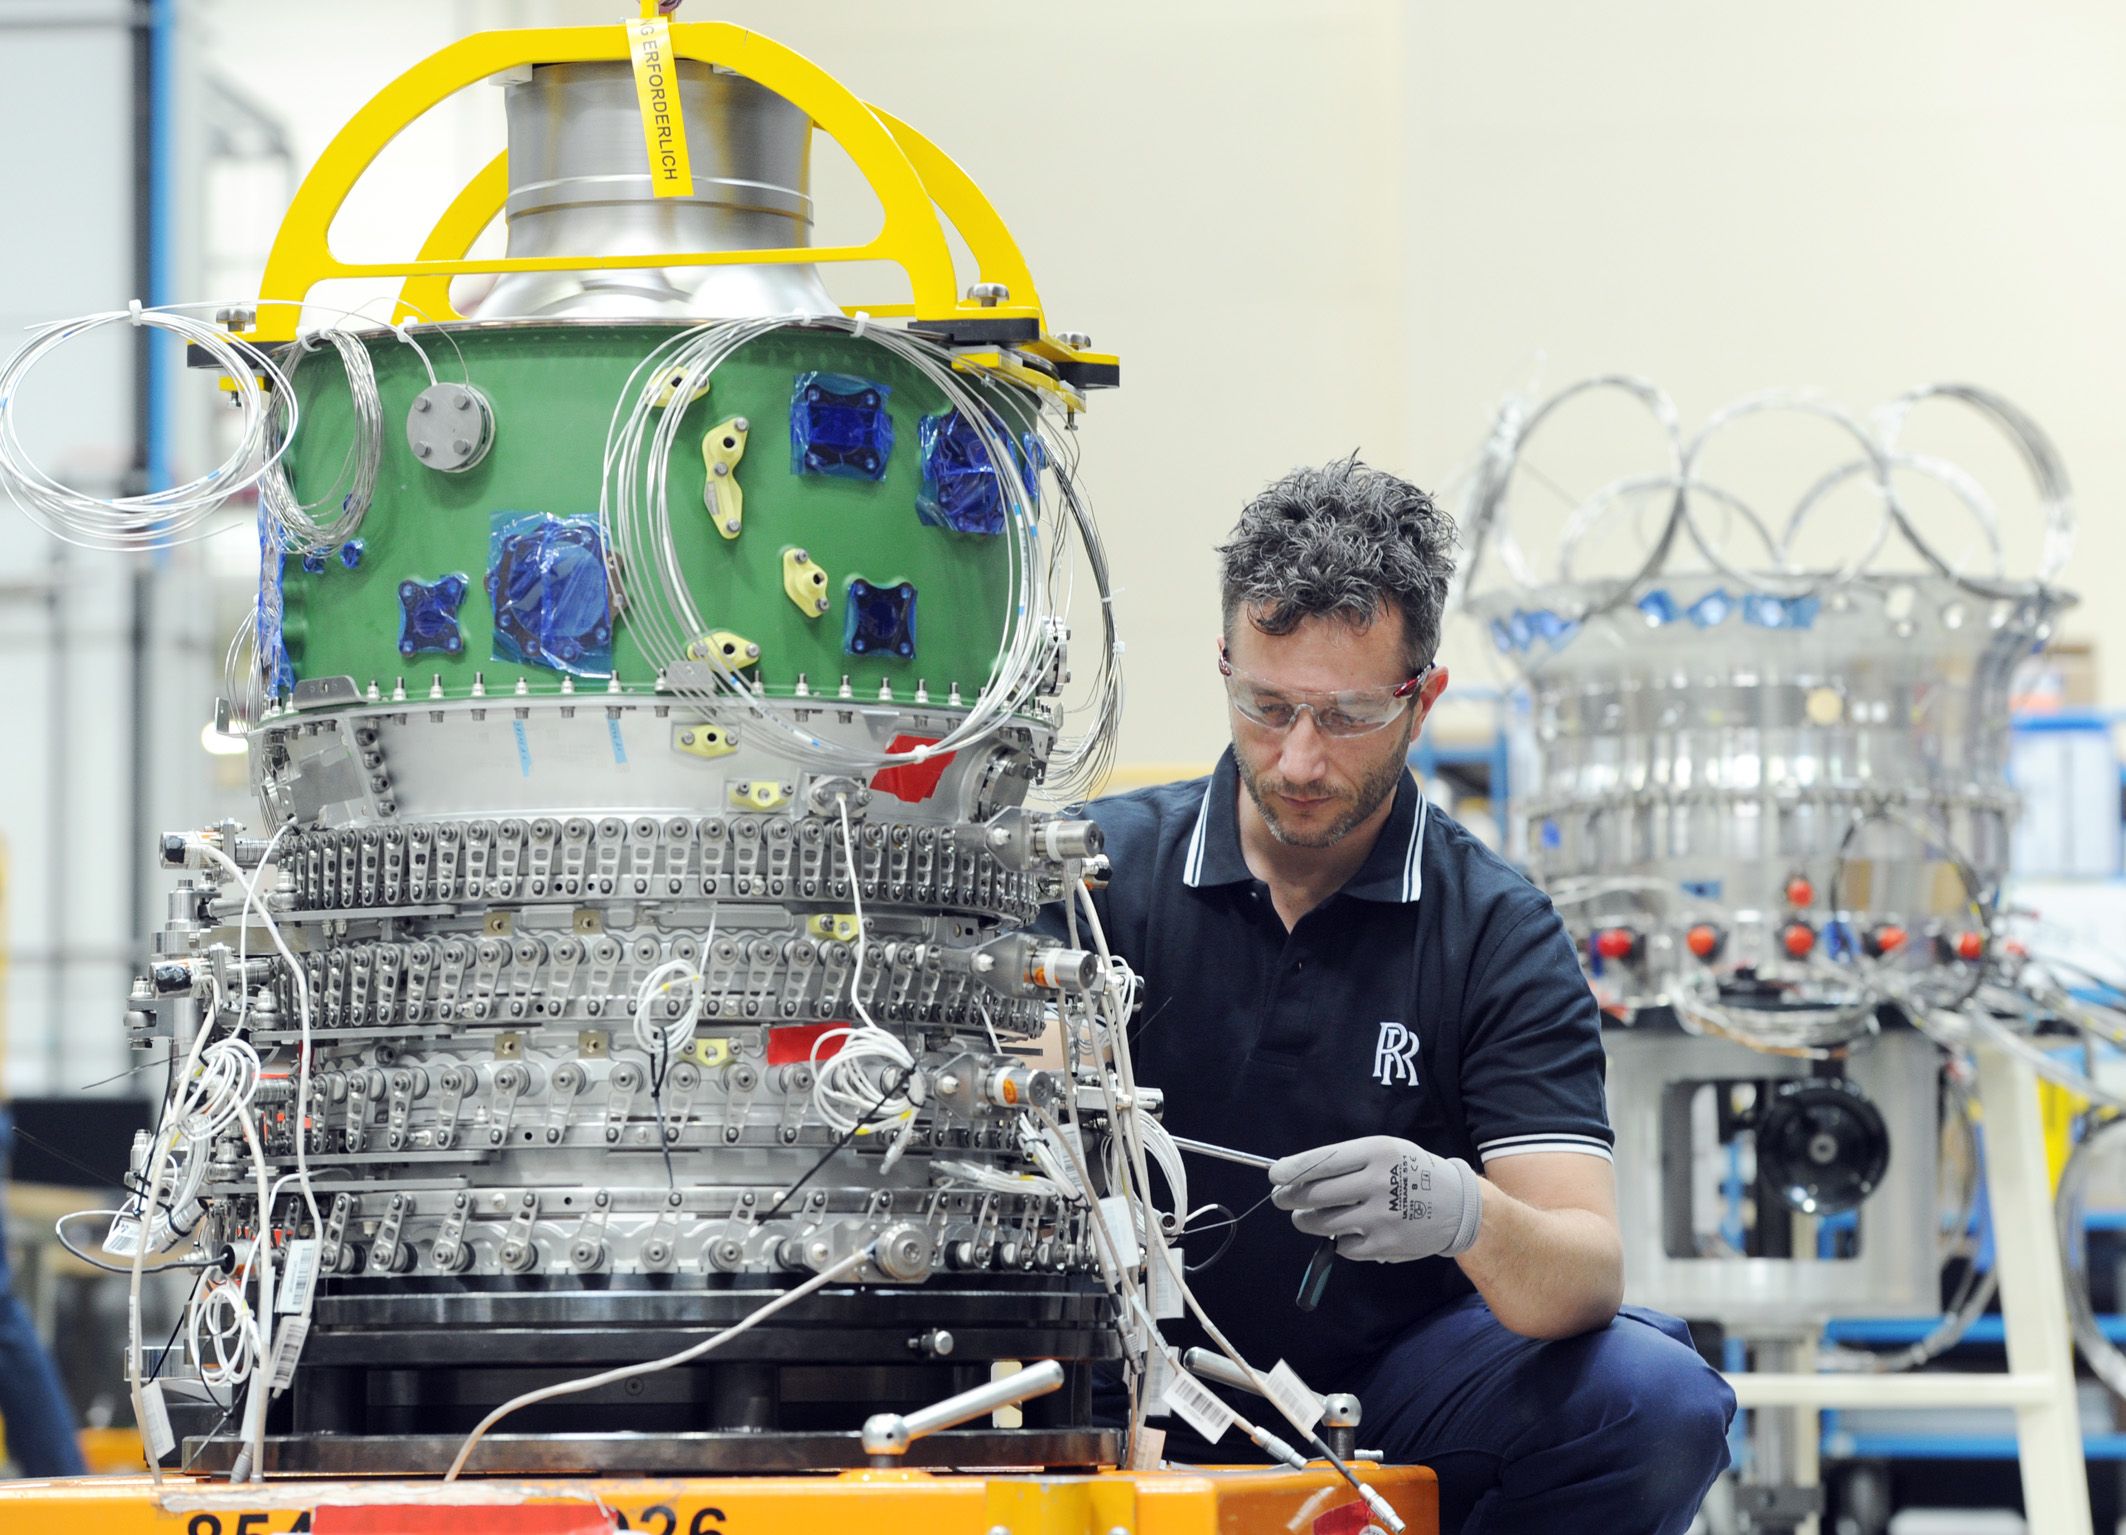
{"points": [[428, 616], [1711, 610], [546, 578], [839, 426], [1766, 611], [960, 489], [276, 672], [881, 620]]}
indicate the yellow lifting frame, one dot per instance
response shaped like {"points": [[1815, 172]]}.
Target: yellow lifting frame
{"points": [[911, 177]]}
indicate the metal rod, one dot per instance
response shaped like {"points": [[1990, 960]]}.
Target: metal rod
{"points": [[1222, 1153], [1034, 1380], [1212, 1365], [887, 1435]]}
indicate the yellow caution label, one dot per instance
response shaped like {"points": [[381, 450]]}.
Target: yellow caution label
{"points": [[664, 129]]}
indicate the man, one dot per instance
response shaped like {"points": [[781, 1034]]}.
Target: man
{"points": [[1339, 976]]}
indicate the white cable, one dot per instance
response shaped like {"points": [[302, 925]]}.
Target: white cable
{"points": [[1160, 1147], [243, 920], [846, 1092], [158, 1156], [994, 1180], [354, 488], [154, 518], [819, 1281], [674, 1034], [635, 516], [219, 1315], [301, 1131], [262, 1264], [302, 1008]]}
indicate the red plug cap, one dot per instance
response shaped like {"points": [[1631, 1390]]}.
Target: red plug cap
{"points": [[1703, 940], [1970, 946], [1799, 938], [1616, 943], [1887, 939], [1799, 892]]}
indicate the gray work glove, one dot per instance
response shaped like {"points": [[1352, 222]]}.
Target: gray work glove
{"points": [[1384, 1199]]}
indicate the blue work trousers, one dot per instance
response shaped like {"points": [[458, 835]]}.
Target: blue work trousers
{"points": [[1620, 1430], [39, 1419]]}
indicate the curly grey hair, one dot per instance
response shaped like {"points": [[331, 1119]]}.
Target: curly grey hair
{"points": [[1344, 540]]}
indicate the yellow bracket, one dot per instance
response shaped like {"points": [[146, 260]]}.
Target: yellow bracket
{"points": [[915, 183], [1003, 362], [837, 925], [722, 446], [702, 740], [735, 650], [760, 794], [708, 1052], [804, 582], [669, 389]]}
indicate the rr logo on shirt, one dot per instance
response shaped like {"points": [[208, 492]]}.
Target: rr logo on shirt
{"points": [[1395, 1054]]}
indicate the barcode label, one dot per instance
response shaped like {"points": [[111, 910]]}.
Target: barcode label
{"points": [[155, 1430], [1165, 1283], [1300, 1406], [124, 1238], [1198, 1408], [300, 1278], [1159, 1367], [287, 1348], [1121, 1229], [1149, 1450]]}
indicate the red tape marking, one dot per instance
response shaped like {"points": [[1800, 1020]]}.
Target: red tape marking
{"points": [[791, 1043], [1344, 1519], [912, 781]]}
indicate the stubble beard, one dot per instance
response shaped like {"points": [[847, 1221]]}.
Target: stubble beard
{"points": [[1360, 803]]}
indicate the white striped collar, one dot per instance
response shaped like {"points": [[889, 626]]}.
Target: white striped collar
{"points": [[1394, 869]]}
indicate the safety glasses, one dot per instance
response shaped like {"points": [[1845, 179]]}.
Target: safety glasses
{"points": [[1348, 712]]}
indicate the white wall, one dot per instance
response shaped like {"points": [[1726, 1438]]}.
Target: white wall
{"points": [[1727, 197], [1357, 224]]}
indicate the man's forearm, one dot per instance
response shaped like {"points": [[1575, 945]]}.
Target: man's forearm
{"points": [[1545, 1273]]}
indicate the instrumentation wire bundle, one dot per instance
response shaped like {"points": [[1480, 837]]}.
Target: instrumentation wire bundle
{"points": [[635, 514], [150, 519]]}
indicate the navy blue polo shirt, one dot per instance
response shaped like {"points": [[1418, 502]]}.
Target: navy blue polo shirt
{"points": [[1435, 997]]}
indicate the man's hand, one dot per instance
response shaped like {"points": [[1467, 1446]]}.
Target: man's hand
{"points": [[1386, 1199]]}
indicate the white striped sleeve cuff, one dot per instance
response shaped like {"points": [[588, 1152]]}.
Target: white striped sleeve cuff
{"points": [[1525, 1145]]}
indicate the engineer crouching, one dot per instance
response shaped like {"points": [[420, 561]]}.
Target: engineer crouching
{"points": [[1339, 976]]}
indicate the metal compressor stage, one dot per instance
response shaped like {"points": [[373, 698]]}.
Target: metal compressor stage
{"points": [[1765, 782], [1771, 791], [1770, 798], [648, 677]]}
